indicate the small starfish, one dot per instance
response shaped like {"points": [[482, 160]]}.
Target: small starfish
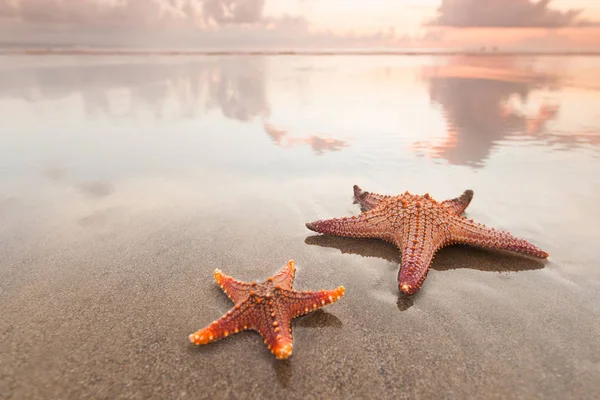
{"points": [[419, 226], [267, 308]]}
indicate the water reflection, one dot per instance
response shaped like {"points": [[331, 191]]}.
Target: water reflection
{"points": [[124, 88], [190, 89], [239, 93], [482, 100], [319, 144]]}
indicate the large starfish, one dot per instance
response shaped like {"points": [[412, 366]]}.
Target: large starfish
{"points": [[267, 308], [419, 226]]}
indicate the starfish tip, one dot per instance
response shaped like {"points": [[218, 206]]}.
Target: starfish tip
{"points": [[282, 352], [311, 226], [407, 289], [196, 338], [218, 275]]}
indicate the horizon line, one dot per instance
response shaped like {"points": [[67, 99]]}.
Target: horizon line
{"points": [[423, 52]]}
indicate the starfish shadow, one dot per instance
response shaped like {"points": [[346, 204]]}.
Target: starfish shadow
{"points": [[451, 257], [283, 371], [316, 319]]}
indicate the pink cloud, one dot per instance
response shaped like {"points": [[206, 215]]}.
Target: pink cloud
{"points": [[505, 13], [132, 14], [163, 23], [233, 11], [244, 24]]}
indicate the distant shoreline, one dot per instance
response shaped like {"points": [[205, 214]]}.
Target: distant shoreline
{"points": [[99, 52]]}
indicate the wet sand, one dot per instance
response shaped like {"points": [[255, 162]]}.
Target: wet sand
{"points": [[109, 238]]}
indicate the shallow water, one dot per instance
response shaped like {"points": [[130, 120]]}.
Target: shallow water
{"points": [[127, 180]]}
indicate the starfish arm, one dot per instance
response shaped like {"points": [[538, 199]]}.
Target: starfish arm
{"points": [[273, 323], [457, 205], [301, 303], [468, 232], [368, 200], [419, 245], [237, 319], [369, 224], [236, 290], [285, 277]]}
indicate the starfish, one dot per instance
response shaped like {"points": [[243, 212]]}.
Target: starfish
{"points": [[419, 226], [267, 308]]}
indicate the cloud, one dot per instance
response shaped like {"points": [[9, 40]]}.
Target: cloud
{"points": [[131, 14], [505, 13], [217, 24], [233, 11], [161, 24], [7, 9]]}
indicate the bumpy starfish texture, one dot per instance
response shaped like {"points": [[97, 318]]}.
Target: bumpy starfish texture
{"points": [[419, 226], [267, 308]]}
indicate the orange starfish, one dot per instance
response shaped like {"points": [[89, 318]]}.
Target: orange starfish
{"points": [[267, 308], [419, 226]]}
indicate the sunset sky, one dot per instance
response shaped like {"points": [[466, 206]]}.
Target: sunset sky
{"points": [[304, 24]]}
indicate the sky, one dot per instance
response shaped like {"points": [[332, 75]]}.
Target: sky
{"points": [[304, 24]]}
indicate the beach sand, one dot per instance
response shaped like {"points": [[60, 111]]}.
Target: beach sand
{"points": [[113, 218]]}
